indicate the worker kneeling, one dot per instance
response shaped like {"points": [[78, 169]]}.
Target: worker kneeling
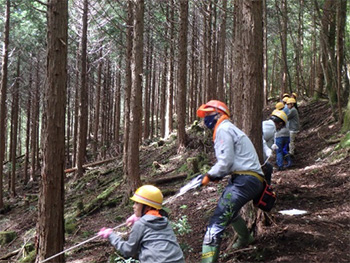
{"points": [[237, 157], [152, 238]]}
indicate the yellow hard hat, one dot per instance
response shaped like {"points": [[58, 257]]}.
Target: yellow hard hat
{"points": [[291, 100], [212, 106], [148, 195], [285, 99], [279, 105], [281, 115], [285, 95], [294, 94]]}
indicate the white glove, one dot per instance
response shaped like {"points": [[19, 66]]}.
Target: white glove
{"points": [[268, 152], [274, 147]]}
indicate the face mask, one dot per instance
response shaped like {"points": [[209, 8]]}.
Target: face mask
{"points": [[210, 121]]}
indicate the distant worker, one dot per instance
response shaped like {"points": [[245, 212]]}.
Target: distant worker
{"points": [[236, 157], [276, 122], [152, 238], [282, 139], [294, 124], [285, 108], [294, 95]]}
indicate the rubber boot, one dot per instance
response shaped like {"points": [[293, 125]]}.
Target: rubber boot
{"points": [[244, 237], [210, 254]]}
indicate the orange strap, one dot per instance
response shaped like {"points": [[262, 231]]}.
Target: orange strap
{"points": [[220, 120], [153, 213]]}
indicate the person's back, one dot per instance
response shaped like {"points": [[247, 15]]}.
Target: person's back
{"points": [[293, 119], [153, 239], [269, 131]]}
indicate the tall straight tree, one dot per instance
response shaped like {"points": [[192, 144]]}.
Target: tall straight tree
{"points": [[252, 71], [221, 54], [249, 34], [182, 75], [133, 180], [3, 95], [249, 42], [14, 127], [51, 201], [127, 87], [83, 97]]}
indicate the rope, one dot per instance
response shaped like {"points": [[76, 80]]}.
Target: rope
{"points": [[77, 245]]}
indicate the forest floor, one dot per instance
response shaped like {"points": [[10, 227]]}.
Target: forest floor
{"points": [[318, 183]]}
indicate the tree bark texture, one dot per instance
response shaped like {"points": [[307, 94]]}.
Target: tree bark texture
{"points": [[252, 43], [3, 95], [51, 201], [182, 74], [129, 47], [83, 97], [14, 128], [133, 180]]}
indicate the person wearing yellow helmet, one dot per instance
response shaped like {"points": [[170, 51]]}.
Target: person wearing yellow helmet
{"points": [[151, 238], [294, 124], [237, 158], [276, 122], [295, 96], [284, 101]]}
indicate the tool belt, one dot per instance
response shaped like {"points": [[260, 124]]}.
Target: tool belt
{"points": [[260, 177], [267, 199]]}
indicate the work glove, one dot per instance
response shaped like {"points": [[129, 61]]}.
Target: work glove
{"points": [[131, 220], [274, 147], [105, 232], [268, 152], [208, 178]]}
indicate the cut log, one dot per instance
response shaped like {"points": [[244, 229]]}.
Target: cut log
{"points": [[69, 170], [99, 201], [11, 254], [168, 179]]}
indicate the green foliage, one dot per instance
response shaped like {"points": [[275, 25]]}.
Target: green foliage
{"points": [[344, 143], [7, 236], [70, 226], [115, 258], [182, 226], [30, 258]]}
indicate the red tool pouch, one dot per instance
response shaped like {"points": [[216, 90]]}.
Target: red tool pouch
{"points": [[267, 198]]}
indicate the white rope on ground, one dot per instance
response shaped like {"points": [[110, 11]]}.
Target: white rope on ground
{"points": [[78, 245]]}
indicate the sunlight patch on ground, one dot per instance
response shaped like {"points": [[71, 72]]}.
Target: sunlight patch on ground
{"points": [[84, 260], [327, 150], [314, 166], [176, 157]]}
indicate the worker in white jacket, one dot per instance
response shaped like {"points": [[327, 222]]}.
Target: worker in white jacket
{"points": [[237, 158]]}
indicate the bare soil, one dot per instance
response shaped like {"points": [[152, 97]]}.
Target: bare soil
{"points": [[318, 182]]}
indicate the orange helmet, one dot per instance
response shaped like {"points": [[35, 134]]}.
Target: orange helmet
{"points": [[212, 106]]}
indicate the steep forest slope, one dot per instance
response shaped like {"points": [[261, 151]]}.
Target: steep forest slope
{"points": [[318, 183]]}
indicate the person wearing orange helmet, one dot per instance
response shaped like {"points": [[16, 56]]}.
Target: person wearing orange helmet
{"points": [[236, 157], [152, 238]]}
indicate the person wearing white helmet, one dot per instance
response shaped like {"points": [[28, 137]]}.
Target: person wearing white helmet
{"points": [[237, 158], [152, 238]]}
